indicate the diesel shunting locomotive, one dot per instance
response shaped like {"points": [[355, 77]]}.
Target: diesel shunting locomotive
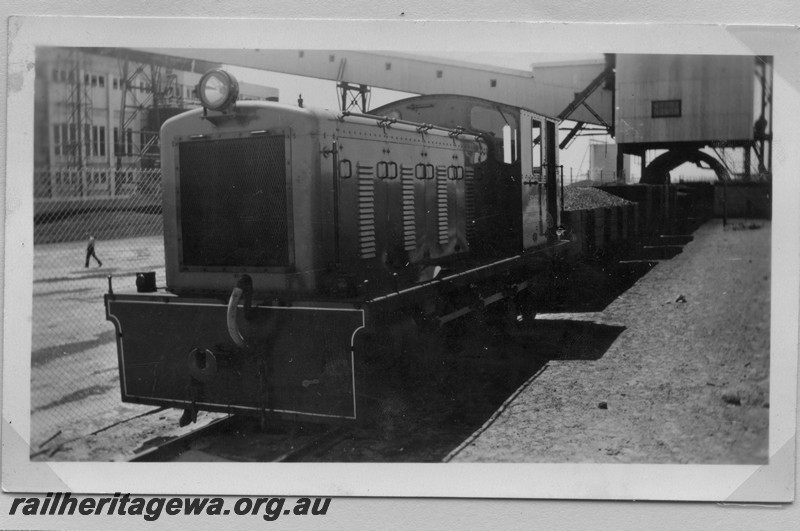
{"points": [[297, 239]]}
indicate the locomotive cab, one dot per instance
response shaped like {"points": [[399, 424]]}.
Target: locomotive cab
{"points": [[514, 189]]}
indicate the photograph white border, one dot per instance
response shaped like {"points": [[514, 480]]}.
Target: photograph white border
{"points": [[733, 483]]}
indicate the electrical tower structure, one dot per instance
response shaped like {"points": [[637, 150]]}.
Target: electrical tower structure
{"points": [[78, 105]]}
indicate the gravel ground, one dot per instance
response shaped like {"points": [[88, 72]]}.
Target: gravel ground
{"points": [[686, 380]]}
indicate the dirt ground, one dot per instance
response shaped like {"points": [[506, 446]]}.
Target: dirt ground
{"points": [[685, 378]]}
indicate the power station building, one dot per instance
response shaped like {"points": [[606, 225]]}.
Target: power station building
{"points": [[97, 114]]}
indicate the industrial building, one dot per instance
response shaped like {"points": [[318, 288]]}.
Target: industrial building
{"points": [[685, 104], [97, 116]]}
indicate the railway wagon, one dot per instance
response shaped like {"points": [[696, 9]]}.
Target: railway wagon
{"points": [[304, 247]]}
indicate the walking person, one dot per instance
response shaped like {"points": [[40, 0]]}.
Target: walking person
{"points": [[90, 252]]}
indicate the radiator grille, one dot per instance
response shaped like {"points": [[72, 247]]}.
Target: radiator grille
{"points": [[233, 204]]}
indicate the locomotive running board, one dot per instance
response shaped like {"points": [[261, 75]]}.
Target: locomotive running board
{"points": [[474, 274], [177, 352]]}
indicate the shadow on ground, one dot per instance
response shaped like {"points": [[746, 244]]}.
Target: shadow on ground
{"points": [[45, 355], [441, 405], [591, 285]]}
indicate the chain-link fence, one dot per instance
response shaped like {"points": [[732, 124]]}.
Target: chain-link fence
{"points": [[74, 379]]}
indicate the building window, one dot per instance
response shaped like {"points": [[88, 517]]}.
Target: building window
{"points": [[65, 140], [388, 66], [301, 53], [101, 81], [128, 142], [68, 139], [98, 141], [123, 146], [73, 136], [492, 83], [666, 109], [57, 139], [331, 58], [87, 139], [439, 73]]}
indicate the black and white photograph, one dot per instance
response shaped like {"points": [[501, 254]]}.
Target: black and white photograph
{"points": [[388, 275], [551, 268]]}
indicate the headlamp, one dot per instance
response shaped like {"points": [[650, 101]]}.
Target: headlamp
{"points": [[217, 90]]}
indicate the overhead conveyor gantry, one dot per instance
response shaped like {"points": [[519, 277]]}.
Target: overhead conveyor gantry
{"points": [[550, 89]]}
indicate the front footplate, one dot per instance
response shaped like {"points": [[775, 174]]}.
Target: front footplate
{"points": [[177, 352]]}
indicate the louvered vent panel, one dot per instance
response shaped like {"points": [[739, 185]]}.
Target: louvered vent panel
{"points": [[469, 201], [441, 204], [366, 211], [409, 208]]}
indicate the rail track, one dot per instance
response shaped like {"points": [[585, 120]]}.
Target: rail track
{"points": [[166, 451], [281, 442]]}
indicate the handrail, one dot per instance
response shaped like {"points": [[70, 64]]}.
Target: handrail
{"points": [[385, 121], [244, 286]]}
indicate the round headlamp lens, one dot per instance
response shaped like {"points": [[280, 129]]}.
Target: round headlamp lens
{"points": [[218, 89]]}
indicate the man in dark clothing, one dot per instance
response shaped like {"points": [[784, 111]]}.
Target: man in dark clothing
{"points": [[90, 253]]}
